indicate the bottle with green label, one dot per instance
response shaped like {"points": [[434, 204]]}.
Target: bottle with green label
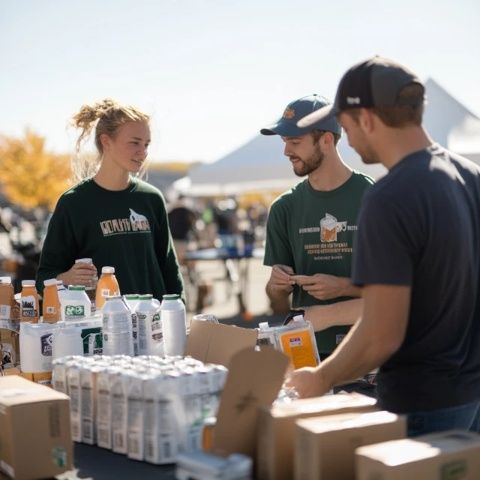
{"points": [[75, 304]]}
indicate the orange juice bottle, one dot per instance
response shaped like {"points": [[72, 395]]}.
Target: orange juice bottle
{"points": [[7, 300], [51, 302], [29, 311], [107, 286]]}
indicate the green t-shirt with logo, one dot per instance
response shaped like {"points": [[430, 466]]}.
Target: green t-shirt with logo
{"points": [[125, 229], [312, 231]]}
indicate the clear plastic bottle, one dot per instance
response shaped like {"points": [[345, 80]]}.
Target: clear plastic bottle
{"points": [[107, 286], [75, 304], [51, 301], [29, 305]]}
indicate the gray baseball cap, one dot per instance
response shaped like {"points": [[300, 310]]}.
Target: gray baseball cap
{"points": [[375, 82], [286, 126]]}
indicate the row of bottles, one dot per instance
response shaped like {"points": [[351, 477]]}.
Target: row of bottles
{"points": [[58, 303]]}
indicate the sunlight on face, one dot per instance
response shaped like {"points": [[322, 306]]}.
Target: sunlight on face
{"points": [[303, 153], [129, 147]]}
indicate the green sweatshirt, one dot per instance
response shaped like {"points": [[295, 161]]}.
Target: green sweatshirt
{"points": [[125, 229]]}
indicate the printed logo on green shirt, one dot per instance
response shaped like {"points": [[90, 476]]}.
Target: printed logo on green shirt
{"points": [[134, 223]]}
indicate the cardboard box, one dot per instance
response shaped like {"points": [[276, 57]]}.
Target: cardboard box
{"points": [[452, 455], [9, 348], [254, 380], [325, 446], [35, 438], [217, 343], [276, 429]]}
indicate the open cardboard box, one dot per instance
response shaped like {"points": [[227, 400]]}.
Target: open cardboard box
{"points": [[254, 379], [217, 343]]}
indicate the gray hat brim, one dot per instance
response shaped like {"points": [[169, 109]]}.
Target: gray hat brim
{"points": [[322, 114]]}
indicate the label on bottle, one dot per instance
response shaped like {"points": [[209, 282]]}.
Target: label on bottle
{"points": [[73, 312], [28, 307]]}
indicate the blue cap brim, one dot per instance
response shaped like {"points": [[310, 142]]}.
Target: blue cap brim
{"points": [[285, 129], [322, 114]]}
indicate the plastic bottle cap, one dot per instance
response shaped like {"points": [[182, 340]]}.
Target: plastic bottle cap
{"points": [[83, 260], [5, 279], [131, 296], [28, 283], [59, 282], [147, 296], [76, 287], [298, 318], [172, 296], [50, 282], [263, 325], [108, 269]]}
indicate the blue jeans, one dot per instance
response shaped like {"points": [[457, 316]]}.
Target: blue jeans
{"points": [[461, 417]]}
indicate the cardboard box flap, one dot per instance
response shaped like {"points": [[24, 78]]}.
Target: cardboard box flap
{"points": [[409, 450], [15, 390], [254, 380], [316, 405], [217, 343]]}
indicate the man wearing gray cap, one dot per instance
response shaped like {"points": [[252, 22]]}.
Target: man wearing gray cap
{"points": [[417, 258], [310, 228]]}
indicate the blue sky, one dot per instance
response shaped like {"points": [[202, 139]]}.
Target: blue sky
{"points": [[213, 72]]}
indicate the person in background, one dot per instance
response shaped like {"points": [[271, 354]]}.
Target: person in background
{"points": [[416, 257], [181, 219], [112, 216], [310, 228]]}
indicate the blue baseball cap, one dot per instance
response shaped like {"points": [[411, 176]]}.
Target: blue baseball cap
{"points": [[295, 111]]}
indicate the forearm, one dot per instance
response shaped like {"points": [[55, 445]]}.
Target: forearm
{"points": [[348, 289], [374, 338], [339, 313], [354, 357]]}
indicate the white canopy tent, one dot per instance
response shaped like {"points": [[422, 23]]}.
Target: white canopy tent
{"points": [[260, 163]]}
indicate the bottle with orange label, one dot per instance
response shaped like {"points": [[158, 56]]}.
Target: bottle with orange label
{"points": [[7, 300], [29, 305], [51, 301], [297, 341], [106, 287]]}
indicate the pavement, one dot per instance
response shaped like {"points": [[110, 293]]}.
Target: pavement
{"points": [[224, 300]]}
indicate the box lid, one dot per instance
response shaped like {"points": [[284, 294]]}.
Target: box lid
{"points": [[15, 390], [319, 404], [345, 421], [398, 452]]}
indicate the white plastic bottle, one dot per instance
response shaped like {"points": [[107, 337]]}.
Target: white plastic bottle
{"points": [[117, 327], [131, 301], [149, 323], [173, 324], [75, 304]]}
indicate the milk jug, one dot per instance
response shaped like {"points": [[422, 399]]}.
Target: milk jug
{"points": [[75, 304]]}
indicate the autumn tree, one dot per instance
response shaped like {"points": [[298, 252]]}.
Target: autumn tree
{"points": [[29, 175]]}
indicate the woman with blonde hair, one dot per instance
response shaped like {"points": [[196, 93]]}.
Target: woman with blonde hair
{"points": [[111, 215]]}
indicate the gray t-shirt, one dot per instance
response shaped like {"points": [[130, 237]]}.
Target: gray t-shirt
{"points": [[420, 226]]}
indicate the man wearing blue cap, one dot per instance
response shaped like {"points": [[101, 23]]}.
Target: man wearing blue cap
{"points": [[417, 258], [311, 227]]}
